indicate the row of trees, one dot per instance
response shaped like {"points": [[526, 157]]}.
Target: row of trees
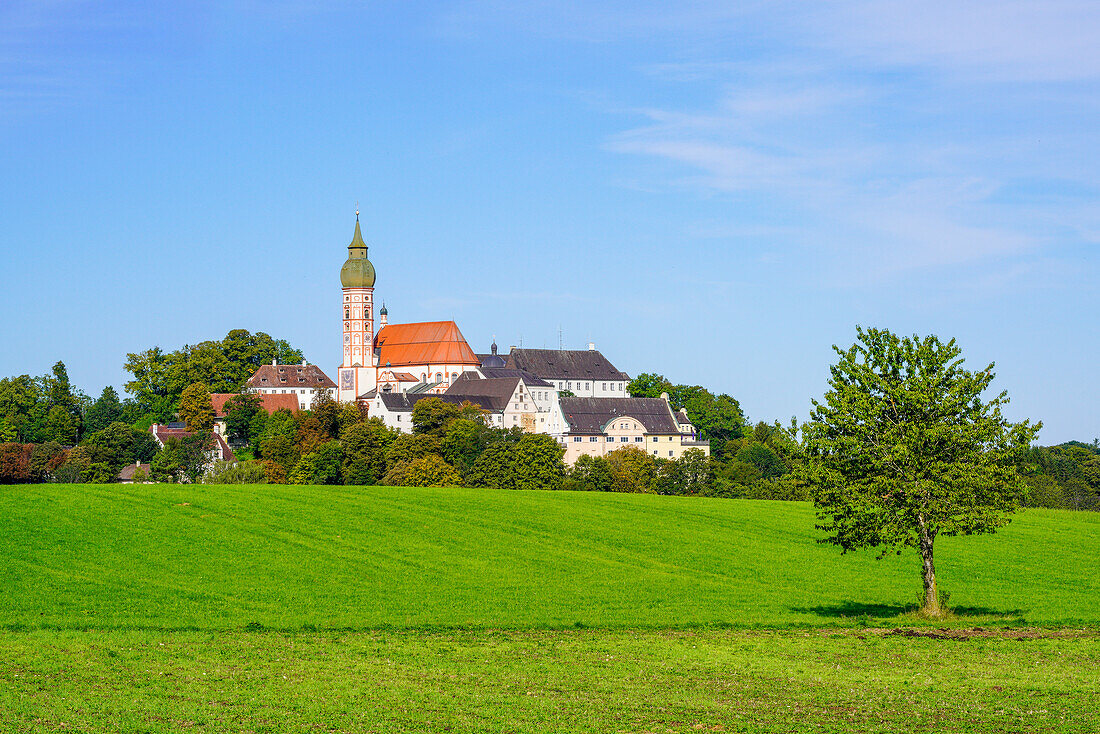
{"points": [[450, 445], [159, 378], [49, 409]]}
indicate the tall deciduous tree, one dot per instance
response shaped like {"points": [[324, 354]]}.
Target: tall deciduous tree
{"points": [[240, 411], [104, 411], [904, 449], [196, 408]]}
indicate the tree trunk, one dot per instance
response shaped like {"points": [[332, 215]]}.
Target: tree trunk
{"points": [[931, 606]]}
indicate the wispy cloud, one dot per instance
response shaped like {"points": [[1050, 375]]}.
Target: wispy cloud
{"points": [[1004, 40]]}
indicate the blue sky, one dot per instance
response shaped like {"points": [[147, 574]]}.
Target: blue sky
{"points": [[716, 192]]}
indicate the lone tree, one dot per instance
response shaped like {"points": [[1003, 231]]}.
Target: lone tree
{"points": [[904, 449]]}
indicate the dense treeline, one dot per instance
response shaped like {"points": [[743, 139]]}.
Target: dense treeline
{"points": [[1066, 476], [223, 366], [50, 431], [450, 445]]}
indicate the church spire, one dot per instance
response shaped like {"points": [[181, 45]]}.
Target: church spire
{"points": [[357, 271]]}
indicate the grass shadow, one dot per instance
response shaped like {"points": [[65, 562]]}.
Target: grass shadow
{"points": [[856, 610]]}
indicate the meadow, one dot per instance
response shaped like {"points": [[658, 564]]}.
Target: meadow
{"points": [[274, 608]]}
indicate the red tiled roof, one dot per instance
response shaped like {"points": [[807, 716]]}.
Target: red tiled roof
{"points": [[290, 375], [404, 377], [427, 343], [270, 402]]}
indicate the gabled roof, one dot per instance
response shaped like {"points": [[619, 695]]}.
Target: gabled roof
{"points": [[126, 474], [289, 375], [528, 379], [590, 415], [163, 433], [564, 364], [682, 417], [402, 376], [498, 388], [426, 343], [270, 402]]}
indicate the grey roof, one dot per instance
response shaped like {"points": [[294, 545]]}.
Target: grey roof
{"points": [[496, 372], [403, 402], [682, 416], [590, 415], [498, 388], [564, 364], [491, 360]]}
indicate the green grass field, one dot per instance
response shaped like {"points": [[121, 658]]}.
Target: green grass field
{"points": [[269, 608], [199, 557]]}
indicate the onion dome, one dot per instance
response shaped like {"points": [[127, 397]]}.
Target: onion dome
{"points": [[357, 271]]}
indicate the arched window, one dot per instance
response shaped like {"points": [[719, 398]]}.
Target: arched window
{"points": [[423, 377], [439, 377], [347, 314], [454, 376]]}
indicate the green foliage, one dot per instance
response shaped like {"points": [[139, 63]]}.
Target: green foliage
{"points": [[537, 463], [61, 426], [434, 415], [904, 449], [350, 415], [243, 472], [406, 447], [105, 411], [23, 408], [464, 441], [648, 385], [425, 471], [184, 458], [326, 412], [717, 418], [1064, 477], [365, 446], [45, 459], [196, 408], [591, 474], [763, 458], [632, 470], [691, 474], [160, 378], [280, 450], [100, 472], [240, 414], [118, 445], [493, 468]]}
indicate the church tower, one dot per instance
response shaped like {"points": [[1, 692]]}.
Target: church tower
{"points": [[357, 372]]}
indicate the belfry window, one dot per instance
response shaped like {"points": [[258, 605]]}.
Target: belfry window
{"points": [[347, 314]]}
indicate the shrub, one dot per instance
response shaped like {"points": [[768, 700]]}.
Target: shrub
{"points": [[245, 472]]}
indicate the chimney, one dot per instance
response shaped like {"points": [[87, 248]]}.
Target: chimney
{"points": [[274, 362], [304, 363], [591, 346]]}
